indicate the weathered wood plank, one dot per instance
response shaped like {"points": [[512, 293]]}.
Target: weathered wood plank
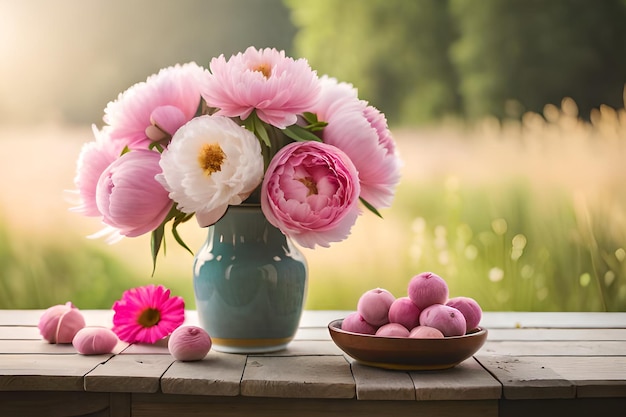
{"points": [[524, 378], [554, 348], [161, 405], [36, 346], [397, 385], [312, 333], [308, 348], [466, 381], [321, 318], [19, 333], [569, 320], [129, 373], [593, 377], [43, 347], [35, 372], [298, 377], [219, 374], [556, 334], [158, 348], [504, 319], [54, 404]]}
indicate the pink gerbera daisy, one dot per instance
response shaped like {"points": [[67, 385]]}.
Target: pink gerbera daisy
{"points": [[266, 81], [147, 314]]}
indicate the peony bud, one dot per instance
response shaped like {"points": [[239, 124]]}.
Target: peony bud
{"points": [[60, 323], [469, 308], [392, 330], [426, 289], [189, 343], [374, 305], [425, 332], [355, 323], [94, 341], [448, 320]]}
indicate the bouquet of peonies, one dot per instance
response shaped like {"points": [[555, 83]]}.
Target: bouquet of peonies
{"points": [[193, 141]]}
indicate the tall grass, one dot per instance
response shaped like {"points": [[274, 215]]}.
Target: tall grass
{"points": [[521, 215]]}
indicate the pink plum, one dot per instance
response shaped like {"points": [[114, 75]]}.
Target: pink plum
{"points": [[392, 330], [425, 332], [469, 308], [405, 312], [426, 289], [374, 305], [448, 320], [354, 323]]}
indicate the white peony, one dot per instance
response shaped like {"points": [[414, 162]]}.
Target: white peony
{"points": [[211, 163]]}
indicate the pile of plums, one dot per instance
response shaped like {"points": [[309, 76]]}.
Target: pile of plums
{"points": [[426, 312]]}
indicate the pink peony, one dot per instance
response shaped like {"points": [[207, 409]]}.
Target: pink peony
{"points": [[211, 163], [361, 132], [310, 192], [153, 110], [129, 197], [147, 314], [94, 158], [266, 81]]}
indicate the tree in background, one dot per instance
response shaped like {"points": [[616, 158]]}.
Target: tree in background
{"points": [[422, 60], [534, 52], [393, 51]]}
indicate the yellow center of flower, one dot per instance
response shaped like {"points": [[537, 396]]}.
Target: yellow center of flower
{"points": [[264, 69], [149, 317], [211, 158], [310, 184]]}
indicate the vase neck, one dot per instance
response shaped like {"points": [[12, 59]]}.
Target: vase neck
{"points": [[244, 224]]}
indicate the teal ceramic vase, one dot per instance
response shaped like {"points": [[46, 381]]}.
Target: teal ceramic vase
{"points": [[250, 283]]}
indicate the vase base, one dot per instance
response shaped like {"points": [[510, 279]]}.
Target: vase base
{"points": [[249, 345]]}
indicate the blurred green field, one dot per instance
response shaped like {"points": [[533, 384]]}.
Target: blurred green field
{"points": [[527, 216]]}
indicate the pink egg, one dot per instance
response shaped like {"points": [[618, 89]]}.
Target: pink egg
{"points": [[446, 319], [374, 305], [426, 289], [425, 332], [469, 308], [354, 323], [405, 312], [392, 330], [94, 341]]}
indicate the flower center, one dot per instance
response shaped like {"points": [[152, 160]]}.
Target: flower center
{"points": [[149, 317], [211, 158], [310, 184], [264, 69]]}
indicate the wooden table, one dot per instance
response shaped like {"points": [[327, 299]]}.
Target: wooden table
{"points": [[533, 364]]}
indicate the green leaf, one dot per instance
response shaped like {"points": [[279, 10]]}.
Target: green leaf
{"points": [[316, 127], [155, 243], [300, 134], [370, 207], [181, 218], [156, 145], [125, 150], [259, 129], [249, 123], [311, 118]]}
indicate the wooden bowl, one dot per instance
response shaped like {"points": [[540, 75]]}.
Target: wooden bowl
{"points": [[403, 353]]}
